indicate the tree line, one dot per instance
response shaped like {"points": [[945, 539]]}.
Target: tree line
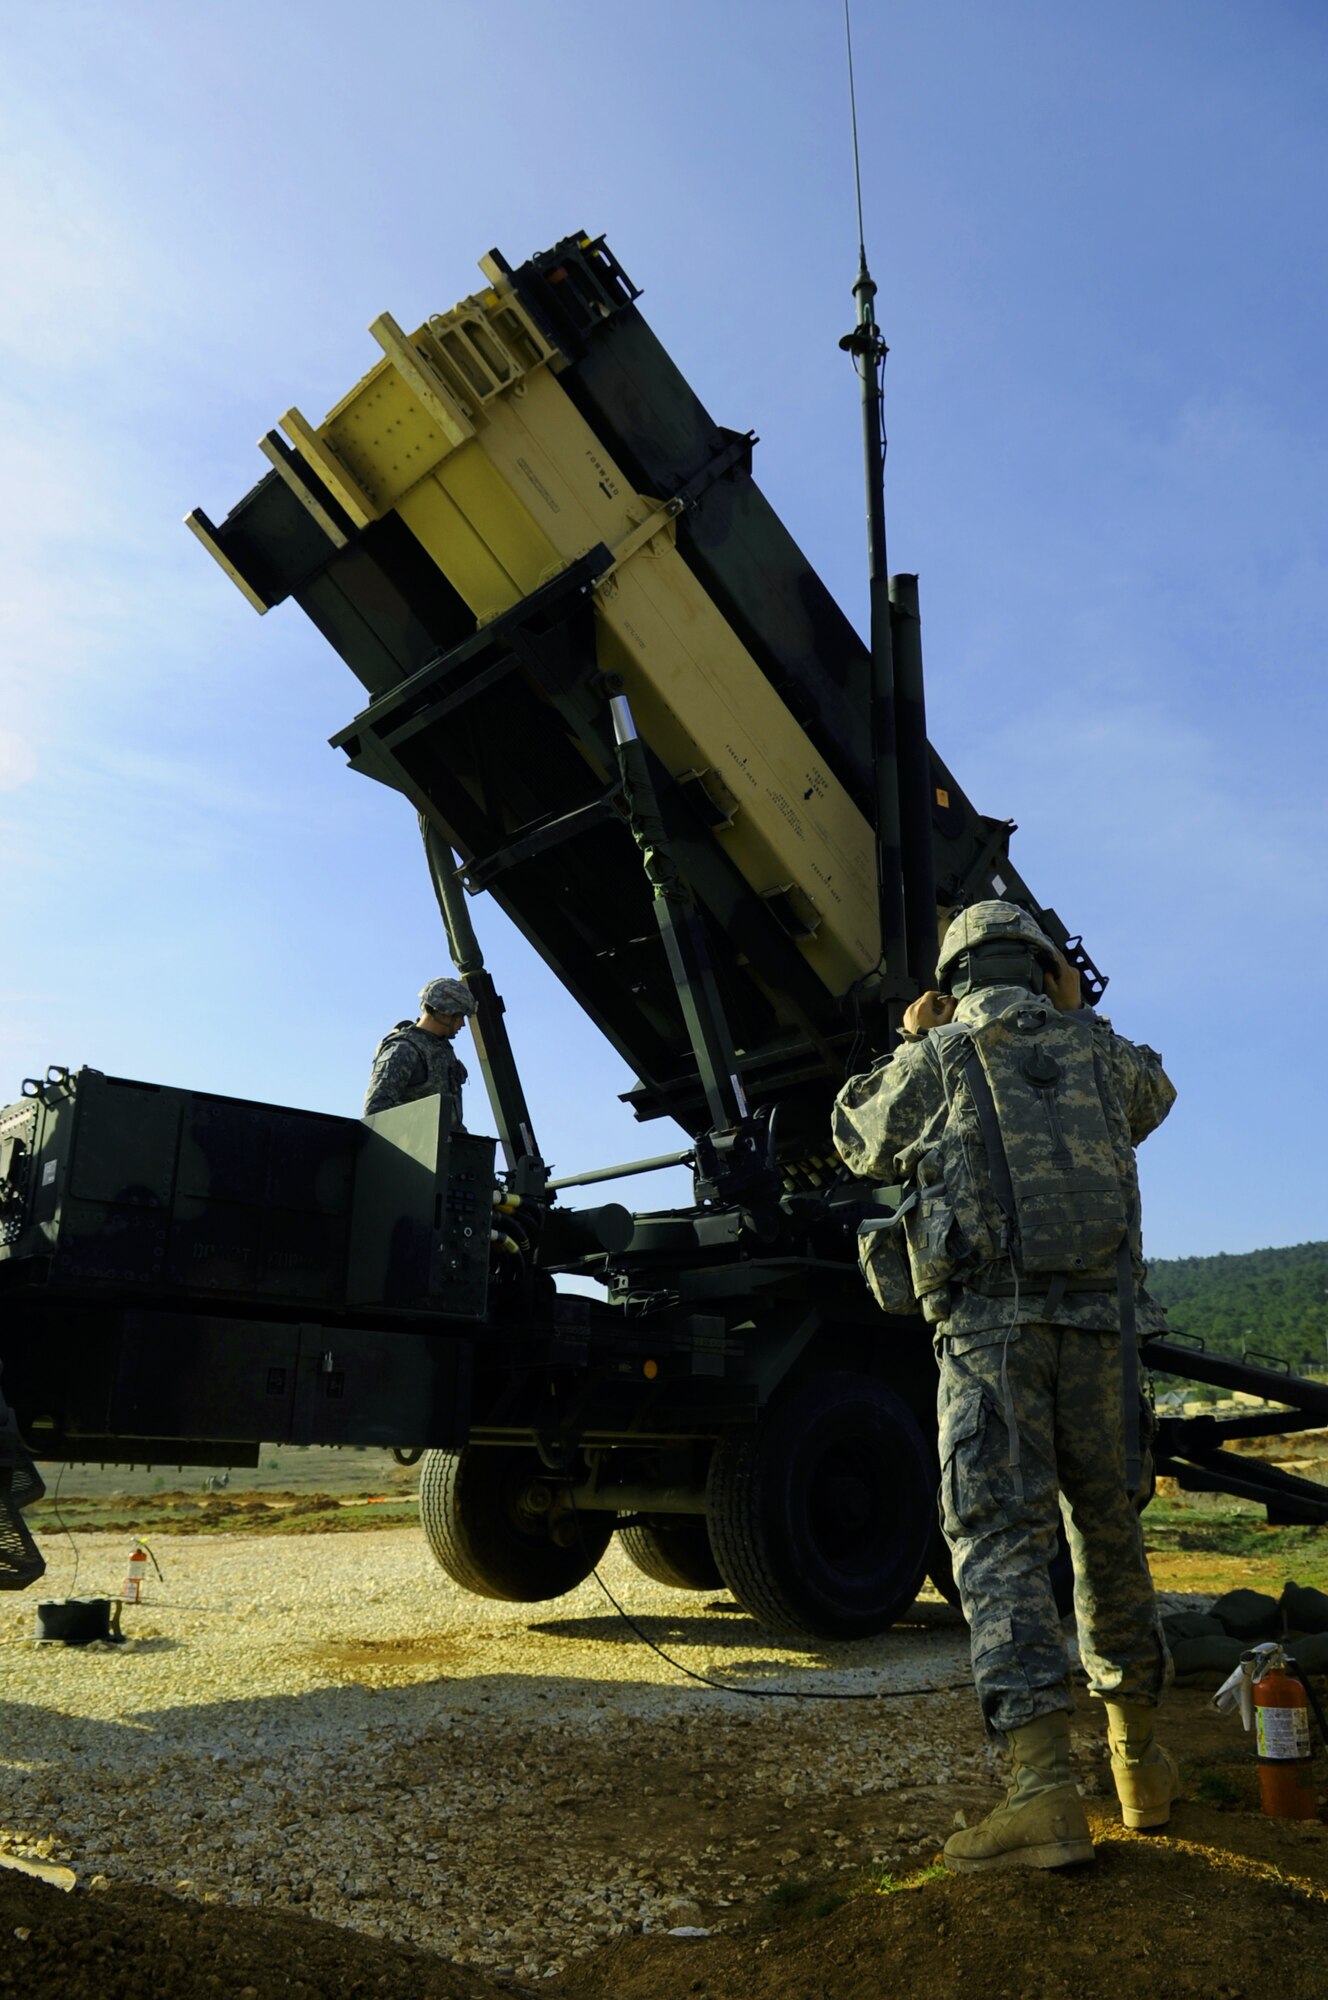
{"points": [[1265, 1301]]}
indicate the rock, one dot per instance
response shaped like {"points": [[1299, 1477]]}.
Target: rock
{"points": [[1248, 1614], [1191, 1625], [1309, 1650], [1304, 1609], [1212, 1657]]}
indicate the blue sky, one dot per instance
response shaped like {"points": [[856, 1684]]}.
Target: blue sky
{"points": [[1100, 240]]}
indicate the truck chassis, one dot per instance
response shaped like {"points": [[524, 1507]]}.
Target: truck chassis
{"points": [[623, 705]]}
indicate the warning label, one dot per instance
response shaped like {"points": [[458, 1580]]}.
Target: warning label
{"points": [[1283, 1733]]}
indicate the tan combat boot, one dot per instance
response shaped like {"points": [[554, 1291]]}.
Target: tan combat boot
{"points": [[1146, 1776], [1042, 1823]]}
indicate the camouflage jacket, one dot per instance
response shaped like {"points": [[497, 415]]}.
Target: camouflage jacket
{"points": [[408, 1063], [886, 1119]]}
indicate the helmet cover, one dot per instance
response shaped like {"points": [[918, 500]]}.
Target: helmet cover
{"points": [[447, 996], [988, 923]]}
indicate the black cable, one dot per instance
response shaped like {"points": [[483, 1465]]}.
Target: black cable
{"points": [[880, 397], [859, 1025], [727, 1687], [1313, 1701], [60, 1523], [859, 1031]]}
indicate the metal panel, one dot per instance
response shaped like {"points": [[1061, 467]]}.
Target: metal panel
{"points": [[179, 1375], [423, 1213], [126, 1142], [382, 1388], [155, 1190]]}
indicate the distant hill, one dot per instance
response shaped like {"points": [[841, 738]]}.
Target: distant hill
{"points": [[1273, 1300]]}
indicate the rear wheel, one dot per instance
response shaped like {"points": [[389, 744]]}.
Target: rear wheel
{"points": [[489, 1517], [820, 1519], [673, 1549]]}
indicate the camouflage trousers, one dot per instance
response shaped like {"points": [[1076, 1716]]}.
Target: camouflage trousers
{"points": [[1004, 1488]]}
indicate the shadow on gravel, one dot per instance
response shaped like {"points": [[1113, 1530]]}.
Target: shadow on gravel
{"points": [[337, 1717], [712, 1628]]}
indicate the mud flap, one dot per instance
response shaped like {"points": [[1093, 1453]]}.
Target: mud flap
{"points": [[20, 1562], [20, 1485]]}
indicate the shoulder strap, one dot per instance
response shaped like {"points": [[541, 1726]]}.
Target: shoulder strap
{"points": [[990, 1126], [953, 1053], [944, 1049], [1129, 1366]]}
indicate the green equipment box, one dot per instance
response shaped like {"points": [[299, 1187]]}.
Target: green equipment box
{"points": [[107, 1184]]}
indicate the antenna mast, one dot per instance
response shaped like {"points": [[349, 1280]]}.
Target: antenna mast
{"points": [[868, 348]]}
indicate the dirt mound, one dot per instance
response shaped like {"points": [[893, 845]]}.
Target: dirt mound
{"points": [[1208, 1911], [1147, 1921], [138, 1944]]}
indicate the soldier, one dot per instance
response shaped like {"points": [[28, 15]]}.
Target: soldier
{"points": [[416, 1058], [1011, 1115]]}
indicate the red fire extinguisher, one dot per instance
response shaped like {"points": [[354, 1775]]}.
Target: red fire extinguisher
{"points": [[136, 1574], [1282, 1734]]}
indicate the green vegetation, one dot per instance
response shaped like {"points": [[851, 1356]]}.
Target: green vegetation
{"points": [[797, 1901], [890, 1885], [1214, 1789], [161, 1513], [1275, 1301], [1301, 1552]]}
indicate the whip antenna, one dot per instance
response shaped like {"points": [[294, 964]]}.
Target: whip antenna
{"points": [[868, 349], [902, 779], [853, 114]]}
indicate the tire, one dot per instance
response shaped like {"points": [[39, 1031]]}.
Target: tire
{"points": [[940, 1572], [940, 1569], [1062, 1574], [470, 1510], [673, 1549], [820, 1519]]}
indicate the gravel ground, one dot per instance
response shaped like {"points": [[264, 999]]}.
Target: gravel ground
{"points": [[326, 1722]]}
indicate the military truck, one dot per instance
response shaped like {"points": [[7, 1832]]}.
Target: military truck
{"points": [[624, 707]]}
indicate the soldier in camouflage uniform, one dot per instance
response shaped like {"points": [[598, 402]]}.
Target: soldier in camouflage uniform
{"points": [[1033, 1387], [416, 1058]]}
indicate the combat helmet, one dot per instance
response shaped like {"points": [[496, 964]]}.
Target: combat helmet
{"points": [[993, 944], [447, 996]]}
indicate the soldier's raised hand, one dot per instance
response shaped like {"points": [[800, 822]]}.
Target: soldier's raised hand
{"points": [[929, 1010], [1064, 987]]}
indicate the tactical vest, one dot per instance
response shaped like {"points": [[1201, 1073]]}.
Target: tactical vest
{"points": [[1023, 1174], [444, 1071]]}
